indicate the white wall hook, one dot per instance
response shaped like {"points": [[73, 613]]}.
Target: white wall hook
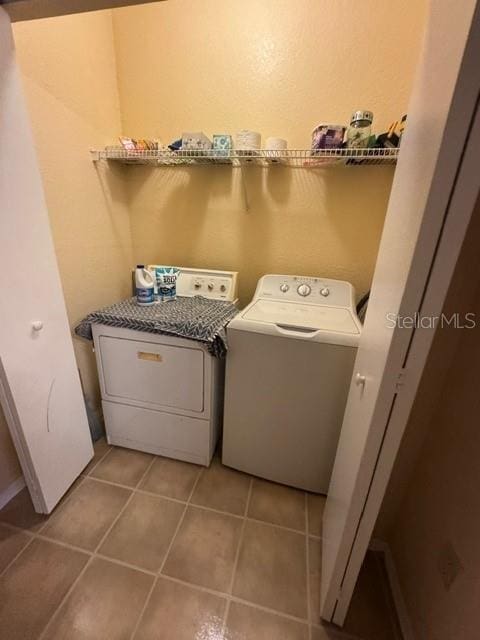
{"points": [[37, 325]]}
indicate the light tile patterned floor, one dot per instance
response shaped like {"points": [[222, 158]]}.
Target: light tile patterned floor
{"points": [[147, 548]]}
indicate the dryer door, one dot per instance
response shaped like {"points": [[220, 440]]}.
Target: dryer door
{"points": [[153, 372]]}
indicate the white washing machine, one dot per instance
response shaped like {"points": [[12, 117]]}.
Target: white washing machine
{"points": [[289, 365], [164, 394]]}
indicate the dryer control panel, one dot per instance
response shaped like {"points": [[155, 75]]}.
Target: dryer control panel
{"points": [[210, 283], [308, 289]]}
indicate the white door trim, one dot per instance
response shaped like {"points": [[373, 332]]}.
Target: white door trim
{"points": [[11, 491], [460, 207], [7, 404], [434, 201], [395, 589]]}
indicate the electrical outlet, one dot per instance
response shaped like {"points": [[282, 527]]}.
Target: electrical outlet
{"points": [[449, 565]]}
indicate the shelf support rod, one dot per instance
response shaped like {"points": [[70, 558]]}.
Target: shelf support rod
{"points": [[244, 189]]}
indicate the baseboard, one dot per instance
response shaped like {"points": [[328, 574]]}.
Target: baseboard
{"points": [[398, 601], [11, 491]]}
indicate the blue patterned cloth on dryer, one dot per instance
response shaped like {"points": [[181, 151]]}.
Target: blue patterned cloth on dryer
{"points": [[195, 318]]}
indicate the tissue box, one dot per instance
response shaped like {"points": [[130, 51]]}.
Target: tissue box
{"points": [[195, 141], [222, 144]]}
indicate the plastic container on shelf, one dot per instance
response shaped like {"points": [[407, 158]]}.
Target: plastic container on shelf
{"points": [[360, 130]]}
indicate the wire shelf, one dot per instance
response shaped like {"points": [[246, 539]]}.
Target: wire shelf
{"points": [[305, 158]]}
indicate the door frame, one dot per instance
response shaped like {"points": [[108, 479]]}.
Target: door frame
{"points": [[7, 405], [408, 361]]}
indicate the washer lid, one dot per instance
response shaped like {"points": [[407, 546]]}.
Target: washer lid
{"points": [[299, 316]]}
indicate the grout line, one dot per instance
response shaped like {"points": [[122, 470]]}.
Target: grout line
{"points": [[92, 556], [143, 609], [112, 484], [17, 528], [212, 510], [167, 552], [199, 587], [90, 553], [161, 495], [226, 513], [183, 502], [180, 522], [192, 504], [237, 556], [4, 571], [242, 531], [67, 545], [307, 560], [35, 534], [60, 507], [65, 597], [101, 459], [226, 596], [278, 526], [80, 481], [282, 614], [232, 598], [128, 565]]}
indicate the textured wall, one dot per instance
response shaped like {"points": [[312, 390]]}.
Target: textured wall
{"points": [[276, 66], [440, 507], [69, 75], [279, 67], [298, 222]]}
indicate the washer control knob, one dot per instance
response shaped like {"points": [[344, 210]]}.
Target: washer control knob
{"points": [[284, 287], [197, 285], [223, 288], [325, 292], [210, 286], [304, 290]]}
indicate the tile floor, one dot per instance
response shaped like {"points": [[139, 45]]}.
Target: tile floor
{"points": [[148, 548]]}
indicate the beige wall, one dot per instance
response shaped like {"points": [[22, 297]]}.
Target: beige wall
{"points": [[279, 67], [9, 466], [69, 74], [441, 507]]}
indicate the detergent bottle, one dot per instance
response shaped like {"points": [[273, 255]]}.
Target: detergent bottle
{"points": [[144, 286]]}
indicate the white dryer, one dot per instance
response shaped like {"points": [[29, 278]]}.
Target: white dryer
{"points": [[290, 359], [160, 393]]}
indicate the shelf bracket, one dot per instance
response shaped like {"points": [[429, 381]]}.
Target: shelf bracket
{"points": [[244, 189]]}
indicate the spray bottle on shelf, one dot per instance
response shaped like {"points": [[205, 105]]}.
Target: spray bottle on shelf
{"points": [[144, 286]]}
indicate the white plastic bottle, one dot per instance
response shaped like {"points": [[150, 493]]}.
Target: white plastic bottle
{"points": [[144, 286]]}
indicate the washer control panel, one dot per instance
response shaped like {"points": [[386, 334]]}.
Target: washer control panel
{"points": [[322, 291], [304, 289]]}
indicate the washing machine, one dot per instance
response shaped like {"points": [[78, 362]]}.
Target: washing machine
{"points": [[289, 365]]}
